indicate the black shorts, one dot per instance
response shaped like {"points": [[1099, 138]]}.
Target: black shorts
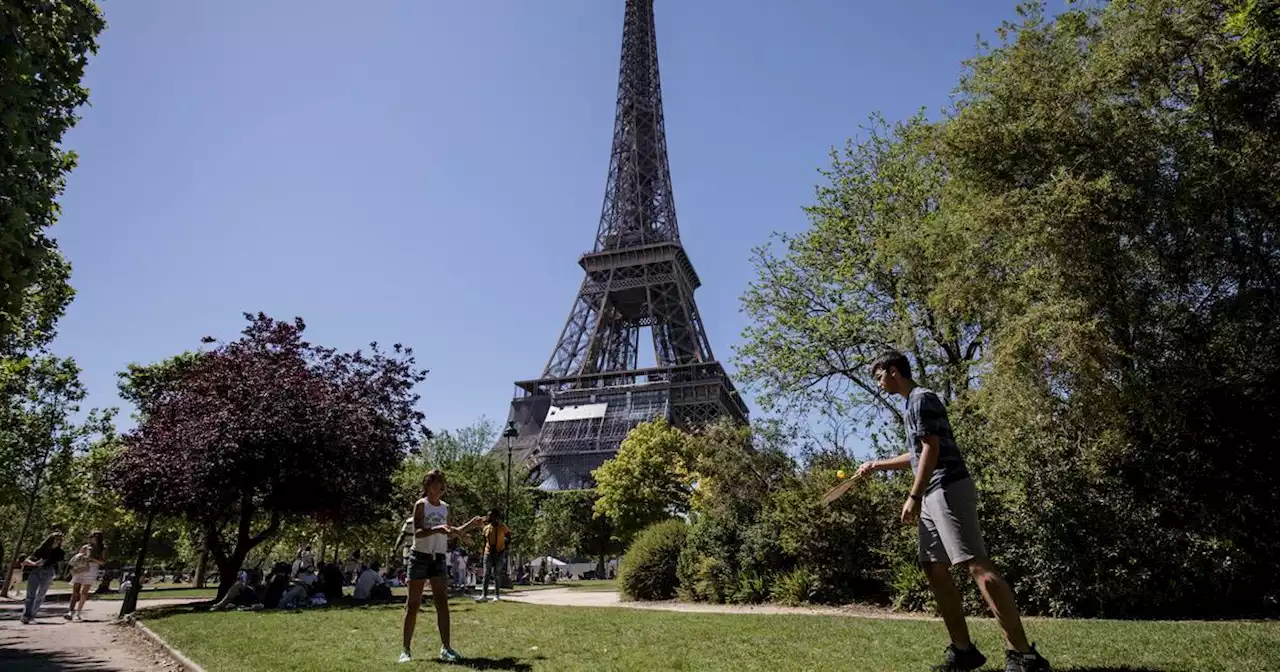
{"points": [[427, 566]]}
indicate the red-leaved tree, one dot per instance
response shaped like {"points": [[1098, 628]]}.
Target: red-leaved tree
{"points": [[269, 427]]}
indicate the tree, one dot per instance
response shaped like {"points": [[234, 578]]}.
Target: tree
{"points": [[43, 51], [450, 446], [647, 481], [1081, 256], [566, 524], [862, 278], [38, 434], [270, 427]]}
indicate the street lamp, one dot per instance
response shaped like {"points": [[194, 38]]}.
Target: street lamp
{"points": [[508, 434]]}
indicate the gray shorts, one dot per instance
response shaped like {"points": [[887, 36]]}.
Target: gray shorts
{"points": [[948, 531]]}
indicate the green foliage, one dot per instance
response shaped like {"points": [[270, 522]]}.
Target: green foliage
{"points": [[647, 481], [42, 61], [476, 482], [797, 587], [648, 570], [1080, 256], [566, 525]]}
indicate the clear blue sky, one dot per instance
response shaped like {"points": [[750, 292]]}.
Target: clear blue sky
{"points": [[428, 172]]}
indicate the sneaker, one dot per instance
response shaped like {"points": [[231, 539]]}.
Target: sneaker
{"points": [[26, 621], [1026, 662], [495, 598], [448, 655], [955, 660], [67, 615], [405, 657], [77, 617]]}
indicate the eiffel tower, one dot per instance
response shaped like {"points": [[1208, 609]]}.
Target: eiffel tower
{"points": [[591, 392]]}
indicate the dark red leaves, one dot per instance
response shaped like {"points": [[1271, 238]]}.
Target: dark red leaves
{"points": [[298, 428]]}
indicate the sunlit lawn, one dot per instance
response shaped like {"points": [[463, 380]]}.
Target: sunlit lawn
{"points": [[163, 591], [518, 636]]}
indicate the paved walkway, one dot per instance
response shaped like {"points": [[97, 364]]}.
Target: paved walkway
{"points": [[52, 644], [565, 597]]}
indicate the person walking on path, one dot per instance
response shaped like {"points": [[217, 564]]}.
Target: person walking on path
{"points": [[943, 506], [85, 565], [495, 554], [428, 562], [44, 565]]}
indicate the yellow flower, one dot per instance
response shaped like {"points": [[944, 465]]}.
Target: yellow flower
{"points": [[840, 474]]}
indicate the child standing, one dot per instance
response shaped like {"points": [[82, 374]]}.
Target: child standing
{"points": [[943, 505], [428, 562], [495, 554]]}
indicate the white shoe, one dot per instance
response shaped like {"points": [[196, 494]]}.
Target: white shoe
{"points": [[405, 657], [77, 618]]}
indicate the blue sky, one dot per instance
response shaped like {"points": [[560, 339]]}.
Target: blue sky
{"points": [[427, 171]]}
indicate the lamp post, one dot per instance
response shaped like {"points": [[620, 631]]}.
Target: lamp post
{"points": [[508, 434]]}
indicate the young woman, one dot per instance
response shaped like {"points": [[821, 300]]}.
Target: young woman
{"points": [[427, 562], [43, 564], [84, 572]]}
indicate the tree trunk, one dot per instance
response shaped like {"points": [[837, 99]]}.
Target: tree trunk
{"points": [[203, 566], [130, 602], [229, 569]]}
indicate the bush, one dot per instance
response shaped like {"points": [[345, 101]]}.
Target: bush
{"points": [[800, 586], [648, 570], [707, 568]]}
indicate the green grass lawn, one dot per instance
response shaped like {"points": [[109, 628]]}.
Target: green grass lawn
{"points": [[164, 591], [513, 636]]}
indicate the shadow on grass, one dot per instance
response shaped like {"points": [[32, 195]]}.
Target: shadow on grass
{"points": [[491, 664], [1110, 669]]}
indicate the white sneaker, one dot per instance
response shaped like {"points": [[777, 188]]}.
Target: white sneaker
{"points": [[67, 615], [405, 657], [77, 617], [494, 598]]}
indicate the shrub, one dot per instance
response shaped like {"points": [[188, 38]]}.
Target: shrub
{"points": [[648, 570], [799, 586], [752, 589]]}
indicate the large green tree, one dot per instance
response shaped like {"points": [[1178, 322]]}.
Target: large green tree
{"points": [[649, 480], [1081, 254], [44, 47]]}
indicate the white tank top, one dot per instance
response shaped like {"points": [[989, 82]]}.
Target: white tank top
{"points": [[433, 515]]}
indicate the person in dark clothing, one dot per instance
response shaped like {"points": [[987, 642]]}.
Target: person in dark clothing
{"points": [[44, 565]]}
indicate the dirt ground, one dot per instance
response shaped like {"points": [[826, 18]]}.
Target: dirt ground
{"points": [[52, 644], [564, 597]]}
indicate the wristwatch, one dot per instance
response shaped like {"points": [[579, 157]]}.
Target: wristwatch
{"points": [[915, 497]]}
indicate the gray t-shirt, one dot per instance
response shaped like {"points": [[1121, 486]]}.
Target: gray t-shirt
{"points": [[926, 415]]}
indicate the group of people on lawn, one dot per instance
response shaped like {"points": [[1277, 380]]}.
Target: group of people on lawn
{"points": [[305, 583]]}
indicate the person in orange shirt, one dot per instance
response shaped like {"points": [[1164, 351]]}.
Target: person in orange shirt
{"points": [[496, 537]]}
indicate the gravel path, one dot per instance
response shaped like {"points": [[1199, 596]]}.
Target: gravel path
{"points": [[92, 645], [564, 597]]}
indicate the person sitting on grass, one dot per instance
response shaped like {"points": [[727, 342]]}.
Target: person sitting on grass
{"points": [[427, 562], [246, 593], [370, 587], [943, 505]]}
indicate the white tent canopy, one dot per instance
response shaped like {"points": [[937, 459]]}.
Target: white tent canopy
{"points": [[535, 563]]}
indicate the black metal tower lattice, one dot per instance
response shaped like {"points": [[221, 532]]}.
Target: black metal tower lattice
{"points": [[591, 393]]}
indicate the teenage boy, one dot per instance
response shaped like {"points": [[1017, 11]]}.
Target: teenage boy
{"points": [[943, 505]]}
